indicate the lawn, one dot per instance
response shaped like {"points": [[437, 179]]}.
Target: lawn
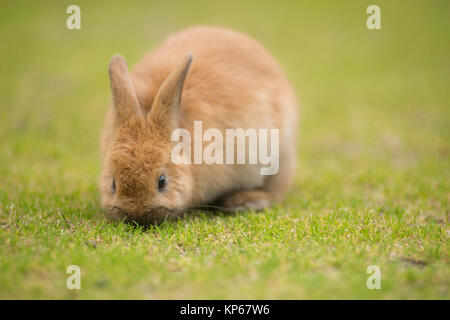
{"points": [[372, 183]]}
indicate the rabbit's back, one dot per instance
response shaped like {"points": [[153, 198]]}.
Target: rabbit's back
{"points": [[233, 82]]}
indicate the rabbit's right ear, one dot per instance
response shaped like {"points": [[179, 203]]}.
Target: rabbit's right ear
{"points": [[123, 95], [168, 99]]}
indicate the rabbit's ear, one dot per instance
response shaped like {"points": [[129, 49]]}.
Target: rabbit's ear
{"points": [[124, 97], [167, 101]]}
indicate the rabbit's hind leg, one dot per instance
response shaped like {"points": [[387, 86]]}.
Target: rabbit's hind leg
{"points": [[247, 200]]}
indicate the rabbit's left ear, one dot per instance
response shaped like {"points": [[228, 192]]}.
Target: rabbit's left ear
{"points": [[167, 101], [124, 98]]}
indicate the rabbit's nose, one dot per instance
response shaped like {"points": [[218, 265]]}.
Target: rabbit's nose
{"points": [[155, 215]]}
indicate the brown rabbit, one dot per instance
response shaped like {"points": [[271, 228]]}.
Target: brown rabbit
{"points": [[213, 75]]}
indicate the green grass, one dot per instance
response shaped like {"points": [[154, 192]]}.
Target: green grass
{"points": [[372, 185]]}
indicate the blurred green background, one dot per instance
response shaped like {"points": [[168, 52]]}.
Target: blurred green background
{"points": [[372, 185]]}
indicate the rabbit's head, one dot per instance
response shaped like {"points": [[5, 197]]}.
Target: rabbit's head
{"points": [[139, 182]]}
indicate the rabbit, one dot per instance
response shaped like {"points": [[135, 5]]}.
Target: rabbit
{"points": [[215, 75]]}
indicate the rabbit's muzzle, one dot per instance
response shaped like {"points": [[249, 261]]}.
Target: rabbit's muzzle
{"points": [[153, 216]]}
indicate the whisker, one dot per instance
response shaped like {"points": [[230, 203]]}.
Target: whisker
{"points": [[210, 207]]}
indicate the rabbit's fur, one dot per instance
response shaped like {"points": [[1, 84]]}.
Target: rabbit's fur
{"points": [[229, 81]]}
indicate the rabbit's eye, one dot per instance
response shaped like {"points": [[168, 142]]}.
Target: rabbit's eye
{"points": [[113, 186], [161, 183]]}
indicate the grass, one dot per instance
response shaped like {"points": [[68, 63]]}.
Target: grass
{"points": [[372, 185]]}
